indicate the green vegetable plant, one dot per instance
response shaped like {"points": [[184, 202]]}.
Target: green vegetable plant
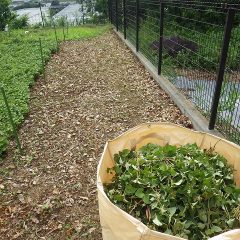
{"points": [[184, 191], [21, 63]]}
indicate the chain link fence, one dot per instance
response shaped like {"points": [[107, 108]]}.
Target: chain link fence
{"points": [[195, 45]]}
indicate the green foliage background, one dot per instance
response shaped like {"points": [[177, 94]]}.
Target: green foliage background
{"points": [[5, 13]]}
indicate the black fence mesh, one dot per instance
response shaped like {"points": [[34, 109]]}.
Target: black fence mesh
{"points": [[114, 12], [131, 20], [193, 54], [120, 16], [228, 119], [192, 43]]}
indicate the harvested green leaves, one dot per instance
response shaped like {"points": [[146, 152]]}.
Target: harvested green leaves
{"points": [[185, 191]]}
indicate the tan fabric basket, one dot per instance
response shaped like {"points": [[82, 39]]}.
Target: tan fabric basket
{"points": [[119, 225]]}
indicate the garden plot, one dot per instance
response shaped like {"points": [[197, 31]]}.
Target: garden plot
{"points": [[94, 90]]}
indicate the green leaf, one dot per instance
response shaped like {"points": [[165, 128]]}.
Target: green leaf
{"points": [[129, 189], [178, 225], [157, 221], [154, 205], [118, 197], [229, 189], [118, 170], [230, 222], [170, 151], [172, 210], [168, 231], [220, 164], [188, 224], [146, 199], [209, 232], [236, 190], [125, 153], [201, 225], [203, 216], [216, 229], [179, 182], [139, 193], [116, 158]]}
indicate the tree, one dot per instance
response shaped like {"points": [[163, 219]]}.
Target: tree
{"points": [[18, 22], [102, 7], [5, 13], [55, 3]]}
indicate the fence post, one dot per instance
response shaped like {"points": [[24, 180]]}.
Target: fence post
{"points": [[55, 31], [124, 19], [137, 25], [222, 66], [112, 13], [43, 62], [41, 14], [67, 28], [11, 120], [109, 11], [41, 51], [64, 37], [160, 46], [117, 14]]}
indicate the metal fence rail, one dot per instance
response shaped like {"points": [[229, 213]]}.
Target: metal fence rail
{"points": [[196, 45]]}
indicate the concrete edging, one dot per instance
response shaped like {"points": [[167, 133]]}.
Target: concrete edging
{"points": [[199, 122]]}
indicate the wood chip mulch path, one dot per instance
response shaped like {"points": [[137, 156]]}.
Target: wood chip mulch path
{"points": [[94, 90]]}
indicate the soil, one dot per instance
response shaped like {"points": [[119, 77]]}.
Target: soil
{"points": [[93, 91]]}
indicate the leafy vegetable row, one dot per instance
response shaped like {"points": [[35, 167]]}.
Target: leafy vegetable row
{"points": [[20, 65]]}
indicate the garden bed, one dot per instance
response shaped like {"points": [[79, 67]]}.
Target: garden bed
{"points": [[94, 90]]}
